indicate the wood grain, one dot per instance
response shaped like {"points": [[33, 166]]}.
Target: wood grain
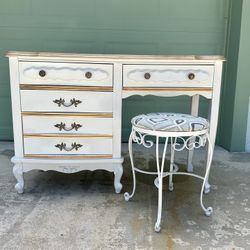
{"points": [[66, 136], [65, 88], [68, 156], [167, 89], [93, 115]]}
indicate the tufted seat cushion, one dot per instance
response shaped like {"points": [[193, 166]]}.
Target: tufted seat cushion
{"points": [[170, 122]]}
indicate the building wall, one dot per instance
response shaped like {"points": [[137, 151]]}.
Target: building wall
{"points": [[111, 26], [236, 88], [242, 91], [230, 75]]}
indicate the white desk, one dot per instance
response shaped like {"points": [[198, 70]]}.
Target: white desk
{"points": [[67, 107]]}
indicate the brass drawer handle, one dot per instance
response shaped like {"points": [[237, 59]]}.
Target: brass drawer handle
{"points": [[61, 102], [62, 126], [42, 73], [147, 76], [62, 146], [88, 75], [191, 76]]}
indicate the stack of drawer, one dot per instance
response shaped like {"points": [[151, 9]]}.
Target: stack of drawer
{"points": [[67, 109]]}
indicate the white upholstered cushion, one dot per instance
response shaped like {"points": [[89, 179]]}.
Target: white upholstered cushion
{"points": [[170, 122]]}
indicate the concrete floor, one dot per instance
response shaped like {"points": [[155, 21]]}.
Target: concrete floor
{"points": [[81, 211]]}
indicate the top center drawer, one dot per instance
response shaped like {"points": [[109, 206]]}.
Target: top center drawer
{"points": [[77, 74]]}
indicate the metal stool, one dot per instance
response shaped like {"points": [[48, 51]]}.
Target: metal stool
{"points": [[182, 132]]}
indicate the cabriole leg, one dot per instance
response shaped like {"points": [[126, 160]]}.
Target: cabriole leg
{"points": [[194, 112], [171, 185], [190, 167], [207, 186], [118, 171], [18, 173]]}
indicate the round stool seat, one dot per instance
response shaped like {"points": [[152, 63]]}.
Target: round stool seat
{"points": [[170, 122]]}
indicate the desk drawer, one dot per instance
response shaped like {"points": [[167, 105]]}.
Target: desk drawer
{"points": [[66, 101], [67, 146], [67, 124], [168, 76], [65, 74]]}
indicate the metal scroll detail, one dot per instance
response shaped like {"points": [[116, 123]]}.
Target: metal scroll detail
{"points": [[140, 139], [62, 146], [61, 102], [62, 126], [179, 144], [190, 143]]}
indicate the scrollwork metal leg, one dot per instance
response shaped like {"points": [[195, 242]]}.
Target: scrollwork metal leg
{"points": [[208, 211], [207, 187], [160, 178], [18, 173], [128, 196]]}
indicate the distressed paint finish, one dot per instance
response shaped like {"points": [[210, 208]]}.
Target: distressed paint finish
{"points": [[46, 68], [140, 27]]}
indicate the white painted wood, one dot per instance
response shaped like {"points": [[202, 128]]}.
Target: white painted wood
{"points": [[65, 73], [35, 124], [118, 171], [117, 111], [16, 107], [47, 146], [195, 105], [18, 173], [93, 162], [214, 113], [43, 100], [166, 93], [52, 56], [167, 76], [194, 112], [215, 102], [71, 166]]}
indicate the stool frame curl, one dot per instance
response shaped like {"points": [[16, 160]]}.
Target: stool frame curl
{"points": [[189, 140]]}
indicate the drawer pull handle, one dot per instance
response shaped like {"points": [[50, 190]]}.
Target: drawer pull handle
{"points": [[191, 76], [61, 102], [88, 75], [147, 76], [42, 73], [62, 146], [62, 126]]}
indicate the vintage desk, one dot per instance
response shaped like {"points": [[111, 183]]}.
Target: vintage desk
{"points": [[67, 107]]}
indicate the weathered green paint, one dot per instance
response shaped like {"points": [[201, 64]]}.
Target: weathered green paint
{"points": [[242, 92], [111, 26], [237, 83], [230, 76]]}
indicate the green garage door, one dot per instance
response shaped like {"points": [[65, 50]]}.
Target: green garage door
{"points": [[111, 26]]}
